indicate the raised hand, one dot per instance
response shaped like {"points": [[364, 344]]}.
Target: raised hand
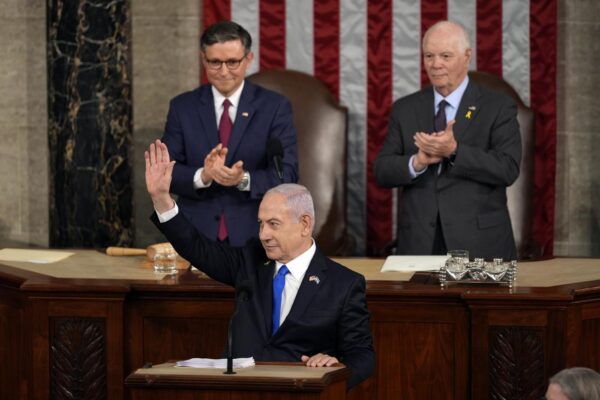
{"points": [[159, 170]]}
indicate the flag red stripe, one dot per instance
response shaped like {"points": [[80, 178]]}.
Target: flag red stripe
{"points": [[432, 11], [272, 34], [379, 99], [213, 11], [489, 36], [542, 32], [326, 16]]}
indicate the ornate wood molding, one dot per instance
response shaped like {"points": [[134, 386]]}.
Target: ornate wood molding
{"points": [[516, 360], [77, 358]]}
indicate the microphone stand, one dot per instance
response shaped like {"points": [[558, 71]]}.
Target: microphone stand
{"points": [[243, 292], [229, 370]]}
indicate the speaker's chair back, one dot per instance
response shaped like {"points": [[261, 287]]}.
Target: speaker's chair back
{"points": [[520, 193], [320, 124]]}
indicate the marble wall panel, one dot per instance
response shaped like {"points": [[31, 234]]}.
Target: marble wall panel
{"points": [[561, 218], [577, 222], [165, 63], [23, 124], [90, 129]]}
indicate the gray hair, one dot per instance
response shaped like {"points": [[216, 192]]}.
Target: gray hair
{"points": [[225, 31], [578, 383], [297, 198], [464, 42]]}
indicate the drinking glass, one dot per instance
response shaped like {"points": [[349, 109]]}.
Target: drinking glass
{"points": [[165, 261]]}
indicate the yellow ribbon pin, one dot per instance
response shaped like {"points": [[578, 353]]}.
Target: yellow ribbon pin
{"points": [[468, 115]]}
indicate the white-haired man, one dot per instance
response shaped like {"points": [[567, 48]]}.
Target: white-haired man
{"points": [[305, 307], [453, 148]]}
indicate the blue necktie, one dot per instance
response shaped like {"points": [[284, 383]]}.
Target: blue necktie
{"points": [[278, 284]]}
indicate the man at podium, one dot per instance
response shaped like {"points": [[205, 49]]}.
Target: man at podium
{"points": [[303, 306]]}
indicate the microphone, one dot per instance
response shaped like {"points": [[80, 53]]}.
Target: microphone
{"points": [[243, 293], [275, 153]]}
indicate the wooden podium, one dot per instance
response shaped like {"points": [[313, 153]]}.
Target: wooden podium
{"points": [[263, 381]]}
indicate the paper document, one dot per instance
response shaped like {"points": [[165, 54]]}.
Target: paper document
{"points": [[413, 263], [33, 256], [216, 363]]}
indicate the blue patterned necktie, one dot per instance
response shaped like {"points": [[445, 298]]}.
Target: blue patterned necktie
{"points": [[278, 284]]}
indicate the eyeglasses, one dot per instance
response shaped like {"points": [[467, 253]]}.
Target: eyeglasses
{"points": [[216, 64]]}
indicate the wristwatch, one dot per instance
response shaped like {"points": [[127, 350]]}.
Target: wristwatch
{"points": [[244, 184]]}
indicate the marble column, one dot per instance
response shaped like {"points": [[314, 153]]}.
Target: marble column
{"points": [[89, 123]]}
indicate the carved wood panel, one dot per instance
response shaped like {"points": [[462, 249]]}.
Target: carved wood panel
{"points": [[591, 336], [516, 363], [77, 358]]}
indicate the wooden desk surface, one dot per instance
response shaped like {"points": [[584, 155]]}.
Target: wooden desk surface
{"points": [[94, 265], [260, 370]]}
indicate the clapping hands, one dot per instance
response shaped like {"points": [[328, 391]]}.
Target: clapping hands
{"points": [[434, 147], [215, 168]]}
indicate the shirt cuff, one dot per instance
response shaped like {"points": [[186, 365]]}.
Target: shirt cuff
{"points": [[198, 183], [411, 169], [167, 215]]}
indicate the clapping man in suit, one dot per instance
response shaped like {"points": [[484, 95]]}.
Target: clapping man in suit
{"points": [[219, 134], [453, 148], [305, 307]]}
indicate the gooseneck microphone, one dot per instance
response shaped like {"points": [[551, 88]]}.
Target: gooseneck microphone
{"points": [[243, 293], [275, 153]]}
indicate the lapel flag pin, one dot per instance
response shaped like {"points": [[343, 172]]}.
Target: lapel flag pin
{"points": [[472, 108], [314, 278], [244, 114]]}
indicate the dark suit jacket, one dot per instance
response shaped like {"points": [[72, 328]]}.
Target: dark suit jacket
{"points": [[191, 133], [328, 317], [470, 195]]}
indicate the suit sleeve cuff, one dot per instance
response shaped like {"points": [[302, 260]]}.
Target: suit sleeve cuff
{"points": [[167, 215], [411, 169], [198, 183]]}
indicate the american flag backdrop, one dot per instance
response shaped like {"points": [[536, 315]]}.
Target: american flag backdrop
{"points": [[368, 53]]}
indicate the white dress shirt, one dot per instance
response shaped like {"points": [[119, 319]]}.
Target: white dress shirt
{"points": [[218, 98], [453, 101], [293, 279]]}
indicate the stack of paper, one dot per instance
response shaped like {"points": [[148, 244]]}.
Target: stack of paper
{"points": [[216, 363], [33, 256], [413, 263]]}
